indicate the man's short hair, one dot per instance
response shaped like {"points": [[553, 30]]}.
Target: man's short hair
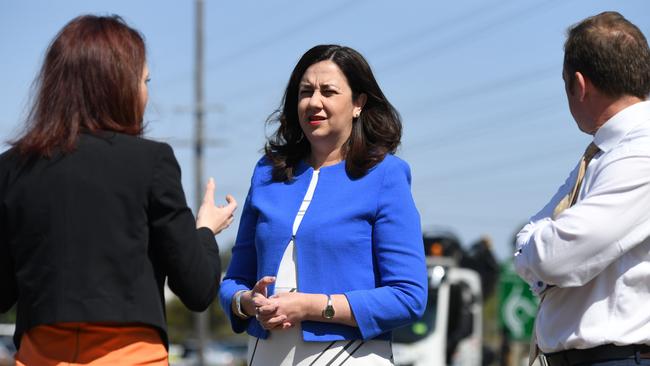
{"points": [[611, 52]]}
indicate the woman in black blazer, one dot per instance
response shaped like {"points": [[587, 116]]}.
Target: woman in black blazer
{"points": [[93, 218]]}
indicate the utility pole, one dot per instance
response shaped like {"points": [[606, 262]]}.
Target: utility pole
{"points": [[201, 319]]}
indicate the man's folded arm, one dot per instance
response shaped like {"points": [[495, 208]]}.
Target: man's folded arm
{"points": [[584, 239]]}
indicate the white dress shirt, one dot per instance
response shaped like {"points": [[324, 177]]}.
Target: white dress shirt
{"points": [[592, 262]]}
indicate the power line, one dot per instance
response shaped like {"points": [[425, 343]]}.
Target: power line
{"points": [[460, 172], [468, 132], [501, 165], [470, 35], [410, 37], [503, 83], [342, 7], [403, 39], [492, 86], [442, 100]]}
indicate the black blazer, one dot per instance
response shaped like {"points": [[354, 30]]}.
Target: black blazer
{"points": [[90, 236]]}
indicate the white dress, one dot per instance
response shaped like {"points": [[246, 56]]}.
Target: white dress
{"points": [[286, 347]]}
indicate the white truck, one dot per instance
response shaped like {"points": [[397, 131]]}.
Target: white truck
{"points": [[450, 332]]}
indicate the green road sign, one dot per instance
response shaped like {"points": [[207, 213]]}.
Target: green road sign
{"points": [[517, 304]]}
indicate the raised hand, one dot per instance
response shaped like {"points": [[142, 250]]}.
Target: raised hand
{"points": [[215, 218]]}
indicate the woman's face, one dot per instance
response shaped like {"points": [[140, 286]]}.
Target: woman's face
{"points": [[325, 105]]}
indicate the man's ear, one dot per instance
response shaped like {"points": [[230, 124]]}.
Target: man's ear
{"points": [[580, 85]]}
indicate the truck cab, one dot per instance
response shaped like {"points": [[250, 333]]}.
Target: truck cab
{"points": [[450, 331]]}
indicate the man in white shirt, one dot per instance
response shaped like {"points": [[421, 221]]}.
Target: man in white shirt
{"points": [[587, 252]]}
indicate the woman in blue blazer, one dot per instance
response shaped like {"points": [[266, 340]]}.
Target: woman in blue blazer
{"points": [[329, 256]]}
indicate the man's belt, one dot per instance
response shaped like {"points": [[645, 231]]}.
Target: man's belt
{"points": [[600, 353]]}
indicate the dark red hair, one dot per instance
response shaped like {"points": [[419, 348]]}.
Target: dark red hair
{"points": [[89, 81]]}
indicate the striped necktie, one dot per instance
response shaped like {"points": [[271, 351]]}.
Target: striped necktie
{"points": [[570, 199], [566, 202]]}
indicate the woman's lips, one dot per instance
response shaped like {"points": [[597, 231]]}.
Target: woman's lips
{"points": [[316, 120]]}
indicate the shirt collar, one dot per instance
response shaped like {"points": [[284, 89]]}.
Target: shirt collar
{"points": [[617, 127]]}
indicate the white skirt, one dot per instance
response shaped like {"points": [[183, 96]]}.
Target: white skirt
{"points": [[286, 347]]}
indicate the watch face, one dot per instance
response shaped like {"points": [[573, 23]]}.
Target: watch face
{"points": [[328, 313]]}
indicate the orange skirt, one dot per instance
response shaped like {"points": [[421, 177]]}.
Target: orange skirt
{"points": [[91, 344]]}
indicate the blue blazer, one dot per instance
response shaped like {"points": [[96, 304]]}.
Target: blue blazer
{"points": [[359, 237]]}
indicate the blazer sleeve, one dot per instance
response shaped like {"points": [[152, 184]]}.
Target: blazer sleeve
{"points": [[190, 256], [242, 271], [401, 295], [8, 287]]}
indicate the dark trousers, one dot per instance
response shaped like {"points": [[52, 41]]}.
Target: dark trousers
{"points": [[605, 355], [623, 362]]}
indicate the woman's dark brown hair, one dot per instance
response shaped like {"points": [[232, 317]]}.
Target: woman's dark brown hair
{"points": [[375, 133], [90, 80]]}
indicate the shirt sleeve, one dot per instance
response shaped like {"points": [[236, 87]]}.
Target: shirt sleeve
{"points": [[538, 286], [242, 271], [190, 256], [401, 294], [583, 240]]}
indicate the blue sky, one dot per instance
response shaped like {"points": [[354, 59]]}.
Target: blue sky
{"points": [[487, 131]]}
